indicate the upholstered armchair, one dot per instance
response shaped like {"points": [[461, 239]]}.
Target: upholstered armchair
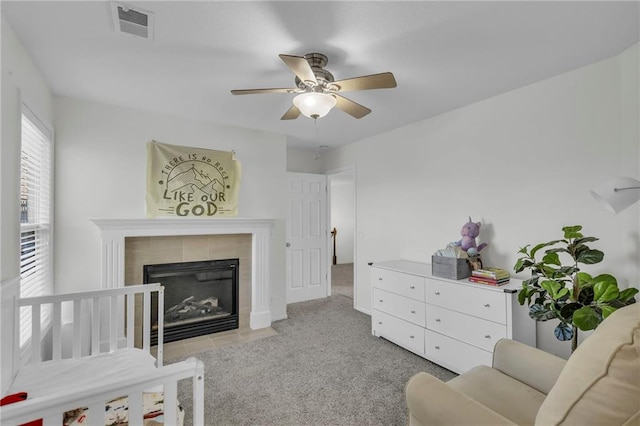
{"points": [[598, 385]]}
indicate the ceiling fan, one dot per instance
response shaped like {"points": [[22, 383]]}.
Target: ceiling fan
{"points": [[317, 90]]}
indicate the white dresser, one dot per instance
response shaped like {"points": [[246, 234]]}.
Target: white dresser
{"points": [[452, 323]]}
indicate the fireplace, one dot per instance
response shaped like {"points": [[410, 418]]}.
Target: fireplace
{"points": [[113, 233], [199, 297]]}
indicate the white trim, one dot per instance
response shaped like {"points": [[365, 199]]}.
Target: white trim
{"points": [[10, 323], [114, 231]]}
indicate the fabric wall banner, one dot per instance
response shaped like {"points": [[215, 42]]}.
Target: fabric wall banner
{"points": [[191, 182]]}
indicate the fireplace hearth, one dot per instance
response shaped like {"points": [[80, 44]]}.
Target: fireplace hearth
{"points": [[200, 297]]}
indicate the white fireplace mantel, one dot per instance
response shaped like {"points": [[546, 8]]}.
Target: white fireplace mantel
{"points": [[114, 231]]}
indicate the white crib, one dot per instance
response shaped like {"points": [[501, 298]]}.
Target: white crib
{"points": [[108, 356]]}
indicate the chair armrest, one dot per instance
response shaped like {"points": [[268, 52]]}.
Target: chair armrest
{"points": [[433, 402], [531, 366]]}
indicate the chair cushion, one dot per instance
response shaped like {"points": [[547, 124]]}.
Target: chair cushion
{"points": [[504, 395], [600, 383]]}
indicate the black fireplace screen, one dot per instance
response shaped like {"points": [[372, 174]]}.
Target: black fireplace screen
{"points": [[199, 297]]}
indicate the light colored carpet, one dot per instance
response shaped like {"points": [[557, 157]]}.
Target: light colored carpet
{"points": [[323, 368]]}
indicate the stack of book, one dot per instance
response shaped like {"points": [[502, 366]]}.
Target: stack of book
{"points": [[490, 276]]}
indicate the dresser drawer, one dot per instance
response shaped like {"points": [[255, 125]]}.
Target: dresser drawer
{"points": [[398, 331], [399, 306], [478, 332], [454, 354], [411, 286], [487, 304]]}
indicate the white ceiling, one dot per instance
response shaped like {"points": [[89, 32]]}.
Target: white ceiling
{"points": [[444, 55]]}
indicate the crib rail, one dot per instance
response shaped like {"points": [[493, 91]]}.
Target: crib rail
{"points": [[112, 320], [52, 407]]}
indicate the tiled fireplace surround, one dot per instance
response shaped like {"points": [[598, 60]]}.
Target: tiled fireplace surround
{"points": [[140, 251], [127, 245]]}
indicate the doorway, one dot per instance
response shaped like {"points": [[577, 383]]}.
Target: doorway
{"points": [[342, 225]]}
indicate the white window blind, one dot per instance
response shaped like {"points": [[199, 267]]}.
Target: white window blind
{"points": [[35, 214]]}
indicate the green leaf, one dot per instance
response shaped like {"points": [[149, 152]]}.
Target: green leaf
{"points": [[586, 318], [523, 250], [552, 258], [558, 250], [586, 295], [586, 240], [548, 271], [561, 293], [566, 313], [605, 291], [565, 271], [535, 249], [607, 310], [572, 231], [606, 278], [556, 289], [542, 245], [582, 279], [627, 294], [518, 266], [552, 287], [522, 296], [522, 264], [589, 257]]}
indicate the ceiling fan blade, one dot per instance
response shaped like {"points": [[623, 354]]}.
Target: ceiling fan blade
{"points": [[259, 91], [352, 108], [291, 114], [300, 67], [383, 80]]}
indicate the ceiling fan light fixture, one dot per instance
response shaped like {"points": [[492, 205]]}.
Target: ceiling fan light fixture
{"points": [[314, 105]]}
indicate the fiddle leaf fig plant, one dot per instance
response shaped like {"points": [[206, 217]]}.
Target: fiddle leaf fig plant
{"points": [[558, 290]]}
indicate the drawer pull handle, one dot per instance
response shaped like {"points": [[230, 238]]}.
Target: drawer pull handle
{"points": [[380, 300], [379, 322], [486, 305], [437, 347], [412, 337], [380, 279], [413, 312], [437, 293], [437, 319], [413, 287], [487, 336]]}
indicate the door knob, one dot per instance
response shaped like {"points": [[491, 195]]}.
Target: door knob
{"points": [[288, 244]]}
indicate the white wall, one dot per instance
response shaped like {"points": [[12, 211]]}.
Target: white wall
{"points": [[101, 173], [522, 163], [343, 203], [20, 79], [304, 161]]}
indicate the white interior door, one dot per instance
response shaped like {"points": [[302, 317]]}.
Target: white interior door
{"points": [[306, 237]]}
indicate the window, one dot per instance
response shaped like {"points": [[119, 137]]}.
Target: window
{"points": [[35, 216]]}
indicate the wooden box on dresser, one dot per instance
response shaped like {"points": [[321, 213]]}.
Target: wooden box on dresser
{"points": [[452, 323]]}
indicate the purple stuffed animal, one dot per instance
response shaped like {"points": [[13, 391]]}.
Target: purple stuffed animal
{"points": [[469, 232]]}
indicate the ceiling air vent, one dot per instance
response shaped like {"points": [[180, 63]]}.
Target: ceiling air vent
{"points": [[137, 22]]}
